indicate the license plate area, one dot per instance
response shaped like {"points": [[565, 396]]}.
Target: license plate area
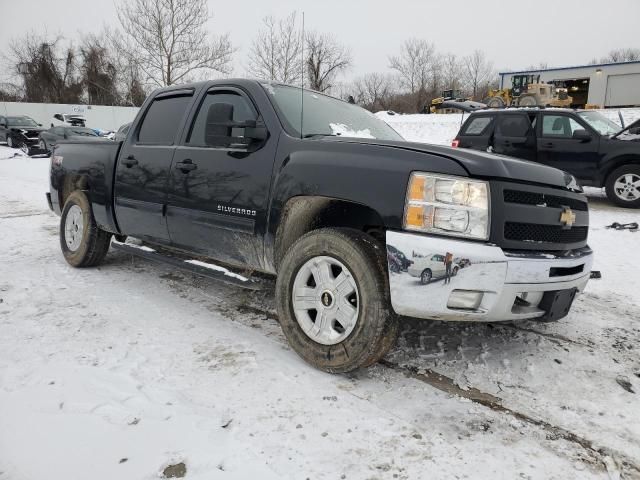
{"points": [[557, 303]]}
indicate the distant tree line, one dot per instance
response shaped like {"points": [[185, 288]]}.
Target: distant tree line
{"points": [[167, 42]]}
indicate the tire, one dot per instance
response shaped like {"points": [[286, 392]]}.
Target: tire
{"points": [[626, 176], [10, 142], [373, 327], [43, 145], [91, 244], [454, 272], [426, 276], [527, 101], [494, 102]]}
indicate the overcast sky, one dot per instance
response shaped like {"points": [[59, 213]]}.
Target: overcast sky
{"points": [[514, 34]]}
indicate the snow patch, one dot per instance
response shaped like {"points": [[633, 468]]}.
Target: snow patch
{"points": [[217, 268], [343, 130]]}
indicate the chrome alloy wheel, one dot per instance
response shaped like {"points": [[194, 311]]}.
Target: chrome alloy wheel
{"points": [[73, 228], [325, 300], [627, 187]]}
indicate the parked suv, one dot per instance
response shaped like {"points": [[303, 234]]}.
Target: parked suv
{"points": [[584, 143]]}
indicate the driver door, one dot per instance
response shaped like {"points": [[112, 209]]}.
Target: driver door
{"points": [[218, 189], [558, 148]]}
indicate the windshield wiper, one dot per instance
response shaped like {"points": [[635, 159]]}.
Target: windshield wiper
{"points": [[311, 135]]}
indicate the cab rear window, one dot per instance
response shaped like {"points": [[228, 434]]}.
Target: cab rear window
{"points": [[477, 126]]}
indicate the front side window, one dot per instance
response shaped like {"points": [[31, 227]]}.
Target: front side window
{"points": [[162, 120], [559, 126], [325, 115], [242, 111]]}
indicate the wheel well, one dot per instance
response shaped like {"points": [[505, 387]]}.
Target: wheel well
{"points": [[71, 184], [304, 214], [617, 163]]}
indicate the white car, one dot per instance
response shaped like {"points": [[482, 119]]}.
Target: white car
{"points": [[430, 267]]}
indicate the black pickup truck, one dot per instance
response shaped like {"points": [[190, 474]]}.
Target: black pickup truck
{"points": [[230, 171], [582, 142]]}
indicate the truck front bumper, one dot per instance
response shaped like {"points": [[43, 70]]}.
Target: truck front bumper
{"points": [[486, 283]]}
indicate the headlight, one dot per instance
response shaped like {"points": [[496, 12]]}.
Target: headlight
{"points": [[447, 205]]}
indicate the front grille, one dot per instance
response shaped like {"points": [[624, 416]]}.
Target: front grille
{"points": [[535, 233], [536, 198]]}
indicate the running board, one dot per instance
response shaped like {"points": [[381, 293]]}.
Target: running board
{"points": [[205, 269]]}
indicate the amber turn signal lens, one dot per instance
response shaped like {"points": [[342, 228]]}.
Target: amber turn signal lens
{"points": [[417, 187], [415, 216]]}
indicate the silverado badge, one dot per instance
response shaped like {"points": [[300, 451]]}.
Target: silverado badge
{"points": [[567, 217]]}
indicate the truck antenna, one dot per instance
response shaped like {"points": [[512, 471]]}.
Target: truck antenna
{"points": [[302, 82]]}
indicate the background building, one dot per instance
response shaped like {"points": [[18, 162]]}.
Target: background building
{"points": [[605, 85]]}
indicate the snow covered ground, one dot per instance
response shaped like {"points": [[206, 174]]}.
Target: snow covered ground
{"points": [[122, 370]]}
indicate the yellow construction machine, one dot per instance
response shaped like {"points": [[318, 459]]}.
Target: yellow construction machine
{"points": [[528, 91]]}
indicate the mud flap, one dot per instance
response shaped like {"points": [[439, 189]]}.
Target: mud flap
{"points": [[557, 304]]}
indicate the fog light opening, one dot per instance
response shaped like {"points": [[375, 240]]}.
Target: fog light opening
{"points": [[465, 299]]}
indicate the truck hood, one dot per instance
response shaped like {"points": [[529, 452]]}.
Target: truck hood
{"points": [[480, 164]]}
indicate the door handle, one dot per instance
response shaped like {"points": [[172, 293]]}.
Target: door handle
{"points": [[130, 161], [186, 166], [548, 145]]}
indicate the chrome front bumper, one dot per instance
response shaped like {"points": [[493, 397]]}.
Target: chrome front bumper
{"points": [[511, 286]]}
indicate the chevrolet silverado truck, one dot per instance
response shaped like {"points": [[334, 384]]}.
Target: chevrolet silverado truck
{"points": [[271, 178]]}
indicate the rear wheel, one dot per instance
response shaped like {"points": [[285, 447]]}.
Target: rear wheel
{"points": [[494, 102], [332, 295], [527, 101], [623, 186], [83, 243]]}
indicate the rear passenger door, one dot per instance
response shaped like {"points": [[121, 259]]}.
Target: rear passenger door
{"points": [[515, 135], [142, 173], [476, 132]]}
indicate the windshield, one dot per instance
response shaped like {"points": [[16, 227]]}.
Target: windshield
{"points": [[21, 122], [602, 124], [82, 132], [324, 115]]}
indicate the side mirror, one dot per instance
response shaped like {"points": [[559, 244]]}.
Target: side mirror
{"points": [[581, 135], [634, 131], [39, 124], [218, 130]]}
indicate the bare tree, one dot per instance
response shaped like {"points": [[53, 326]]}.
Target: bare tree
{"points": [[98, 71], [478, 73], [374, 91], [276, 52], [451, 72], [622, 55], [325, 58], [169, 42], [414, 66], [48, 70]]}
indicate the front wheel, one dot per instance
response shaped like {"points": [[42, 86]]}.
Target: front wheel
{"points": [[83, 243], [426, 276], [10, 142], [623, 186], [332, 295]]}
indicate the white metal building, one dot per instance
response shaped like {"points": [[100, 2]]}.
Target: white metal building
{"points": [[605, 85]]}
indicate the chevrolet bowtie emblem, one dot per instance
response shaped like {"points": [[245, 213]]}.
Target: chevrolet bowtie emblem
{"points": [[567, 217]]}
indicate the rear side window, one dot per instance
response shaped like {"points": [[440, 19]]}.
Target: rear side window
{"points": [[162, 120], [514, 126], [477, 126]]}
